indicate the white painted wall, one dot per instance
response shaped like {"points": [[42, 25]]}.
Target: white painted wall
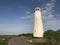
{"points": [[38, 26]]}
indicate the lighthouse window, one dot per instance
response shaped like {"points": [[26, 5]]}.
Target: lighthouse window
{"points": [[37, 9]]}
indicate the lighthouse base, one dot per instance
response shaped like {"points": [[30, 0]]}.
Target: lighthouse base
{"points": [[37, 37], [38, 40]]}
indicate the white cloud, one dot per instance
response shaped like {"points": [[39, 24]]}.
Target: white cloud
{"points": [[28, 16], [47, 9], [52, 24], [49, 20], [27, 12]]}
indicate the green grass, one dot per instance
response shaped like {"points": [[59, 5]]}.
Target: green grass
{"points": [[4, 39]]}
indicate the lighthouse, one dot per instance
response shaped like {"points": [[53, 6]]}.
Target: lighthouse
{"points": [[38, 25]]}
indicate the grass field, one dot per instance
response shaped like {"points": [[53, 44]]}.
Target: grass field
{"points": [[5, 38]]}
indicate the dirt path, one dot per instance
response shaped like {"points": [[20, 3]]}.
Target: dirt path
{"points": [[17, 41]]}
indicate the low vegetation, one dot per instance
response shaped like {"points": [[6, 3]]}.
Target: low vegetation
{"points": [[5, 38], [50, 38]]}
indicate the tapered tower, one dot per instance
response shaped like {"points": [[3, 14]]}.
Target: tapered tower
{"points": [[38, 26]]}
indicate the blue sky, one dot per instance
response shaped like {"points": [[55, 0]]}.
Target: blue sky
{"points": [[16, 16]]}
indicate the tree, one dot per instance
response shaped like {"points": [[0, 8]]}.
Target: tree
{"points": [[49, 34]]}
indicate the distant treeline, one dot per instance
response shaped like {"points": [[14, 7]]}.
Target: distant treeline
{"points": [[28, 34], [47, 34]]}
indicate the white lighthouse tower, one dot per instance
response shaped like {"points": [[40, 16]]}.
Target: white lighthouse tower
{"points": [[38, 26]]}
